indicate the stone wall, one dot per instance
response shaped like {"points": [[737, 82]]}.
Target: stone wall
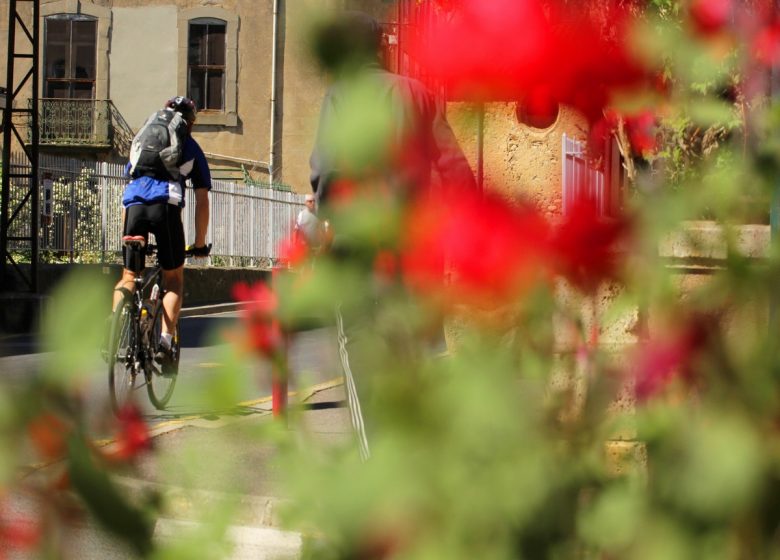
{"points": [[519, 161], [19, 311]]}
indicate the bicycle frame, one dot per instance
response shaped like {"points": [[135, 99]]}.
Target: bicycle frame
{"points": [[143, 317], [143, 320]]}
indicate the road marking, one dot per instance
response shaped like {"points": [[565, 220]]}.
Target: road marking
{"points": [[168, 426]]}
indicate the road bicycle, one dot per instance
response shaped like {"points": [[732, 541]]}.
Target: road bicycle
{"points": [[134, 335]]}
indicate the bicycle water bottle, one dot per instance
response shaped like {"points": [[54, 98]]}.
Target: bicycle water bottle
{"points": [[155, 293]]}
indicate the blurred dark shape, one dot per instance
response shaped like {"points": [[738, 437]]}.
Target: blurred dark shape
{"points": [[539, 109], [347, 41]]}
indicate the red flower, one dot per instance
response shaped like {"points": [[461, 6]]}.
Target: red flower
{"points": [[710, 16], [132, 435], [504, 49], [669, 356], [264, 335], [342, 193], [585, 246], [385, 265], [479, 51], [49, 434], [641, 131], [640, 128], [493, 249], [18, 534], [293, 251], [766, 45]]}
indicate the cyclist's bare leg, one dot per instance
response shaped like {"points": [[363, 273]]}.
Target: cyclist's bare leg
{"points": [[127, 282], [173, 280]]}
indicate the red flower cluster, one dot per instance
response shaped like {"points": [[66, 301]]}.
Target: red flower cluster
{"points": [[586, 247], [264, 334], [669, 356], [642, 132], [493, 249], [767, 44], [385, 266], [293, 251], [710, 16], [18, 535], [509, 49], [49, 434], [641, 129], [132, 436]]}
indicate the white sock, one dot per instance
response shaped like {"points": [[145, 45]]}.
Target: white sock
{"points": [[165, 339]]}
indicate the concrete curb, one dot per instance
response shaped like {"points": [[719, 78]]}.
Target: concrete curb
{"points": [[209, 309], [248, 542], [189, 504]]}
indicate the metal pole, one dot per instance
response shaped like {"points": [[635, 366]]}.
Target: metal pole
{"points": [[72, 219], [104, 194], [6, 170], [34, 152], [274, 70], [279, 371]]}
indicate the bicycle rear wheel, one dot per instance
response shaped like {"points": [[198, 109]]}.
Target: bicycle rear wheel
{"points": [[162, 380], [122, 380]]}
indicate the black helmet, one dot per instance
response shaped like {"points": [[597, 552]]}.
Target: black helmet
{"points": [[182, 105]]}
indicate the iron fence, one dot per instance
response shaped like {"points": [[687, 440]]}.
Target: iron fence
{"points": [[81, 214]]}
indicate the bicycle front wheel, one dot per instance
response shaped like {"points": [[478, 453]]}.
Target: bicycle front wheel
{"points": [[161, 381], [122, 380]]}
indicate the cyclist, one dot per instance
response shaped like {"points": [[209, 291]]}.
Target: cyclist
{"points": [[153, 203]]}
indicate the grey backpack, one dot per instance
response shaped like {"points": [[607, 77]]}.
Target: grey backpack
{"points": [[157, 148]]}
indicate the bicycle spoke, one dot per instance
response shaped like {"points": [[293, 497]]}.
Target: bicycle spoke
{"points": [[121, 376], [162, 378]]}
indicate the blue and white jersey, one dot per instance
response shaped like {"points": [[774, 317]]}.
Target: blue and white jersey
{"points": [[146, 190]]}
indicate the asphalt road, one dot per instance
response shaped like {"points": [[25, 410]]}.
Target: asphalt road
{"points": [[213, 379], [197, 418]]}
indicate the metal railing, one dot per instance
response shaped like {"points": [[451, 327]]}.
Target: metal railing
{"points": [[75, 122], [83, 122], [81, 215]]}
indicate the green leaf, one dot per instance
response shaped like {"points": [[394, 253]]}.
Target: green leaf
{"points": [[74, 326]]}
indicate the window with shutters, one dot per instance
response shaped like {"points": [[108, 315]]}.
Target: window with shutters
{"points": [[206, 63]]}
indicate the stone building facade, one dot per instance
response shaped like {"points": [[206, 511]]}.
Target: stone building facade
{"points": [[248, 62]]}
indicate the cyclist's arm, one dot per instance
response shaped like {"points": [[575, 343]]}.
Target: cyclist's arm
{"points": [[201, 183], [201, 216]]}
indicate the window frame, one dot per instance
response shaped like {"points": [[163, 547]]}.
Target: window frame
{"points": [[206, 65], [228, 115], [103, 17], [70, 80]]}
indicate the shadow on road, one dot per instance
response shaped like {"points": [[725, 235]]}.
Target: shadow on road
{"points": [[202, 331], [18, 345]]}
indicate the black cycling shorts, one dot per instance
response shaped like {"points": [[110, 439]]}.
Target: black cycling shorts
{"points": [[164, 221]]}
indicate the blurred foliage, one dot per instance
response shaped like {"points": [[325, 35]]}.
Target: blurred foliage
{"points": [[635, 419]]}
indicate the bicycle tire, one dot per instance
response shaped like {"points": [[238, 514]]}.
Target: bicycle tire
{"points": [[159, 383], [122, 380]]}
